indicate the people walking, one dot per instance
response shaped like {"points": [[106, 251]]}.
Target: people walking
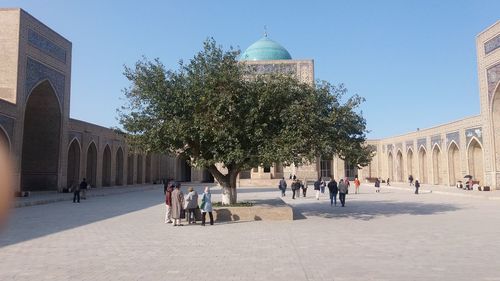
{"points": [[322, 186], [304, 188], [191, 205], [168, 188], [357, 183], [343, 190], [317, 186], [83, 188], [333, 189], [206, 206], [377, 185], [417, 186], [177, 204], [282, 186], [388, 182], [76, 191], [295, 188], [410, 179]]}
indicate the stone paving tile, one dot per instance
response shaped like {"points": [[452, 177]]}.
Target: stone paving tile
{"points": [[394, 235]]}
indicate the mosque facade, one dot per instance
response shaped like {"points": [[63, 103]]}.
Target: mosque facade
{"points": [[53, 151]]}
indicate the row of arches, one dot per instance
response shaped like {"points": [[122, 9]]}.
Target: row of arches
{"points": [[91, 174], [444, 169]]}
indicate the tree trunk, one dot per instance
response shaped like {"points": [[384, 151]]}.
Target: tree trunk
{"points": [[229, 194]]}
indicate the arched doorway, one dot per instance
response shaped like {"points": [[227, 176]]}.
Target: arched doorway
{"points": [[4, 140], [139, 169], [399, 166], [73, 172], [130, 169], [148, 168], [119, 167], [106, 166], [390, 167], [409, 162], [184, 169], [454, 163], [475, 154], [92, 165], [41, 139], [422, 167], [436, 165]]}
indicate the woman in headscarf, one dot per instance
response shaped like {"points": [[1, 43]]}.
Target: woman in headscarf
{"points": [[206, 206]]}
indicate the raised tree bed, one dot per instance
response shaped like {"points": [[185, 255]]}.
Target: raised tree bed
{"points": [[270, 209]]}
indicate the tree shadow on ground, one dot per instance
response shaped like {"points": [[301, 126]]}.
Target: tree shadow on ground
{"points": [[368, 210]]}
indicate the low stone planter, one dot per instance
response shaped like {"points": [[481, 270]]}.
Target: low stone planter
{"points": [[272, 209]]}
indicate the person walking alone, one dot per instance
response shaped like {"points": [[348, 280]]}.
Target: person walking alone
{"points": [[357, 183], [304, 188], [282, 186], [417, 186], [83, 188], [177, 204], [206, 206], [343, 190], [317, 187], [168, 188], [377, 185], [333, 189], [410, 179], [76, 192]]}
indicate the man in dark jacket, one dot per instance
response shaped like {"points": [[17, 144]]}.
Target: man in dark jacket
{"points": [[343, 189], [282, 186], [76, 191], [317, 187], [332, 187], [295, 188]]}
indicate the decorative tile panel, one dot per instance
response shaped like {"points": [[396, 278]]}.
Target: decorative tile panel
{"points": [[390, 147], [8, 125], [492, 76], [421, 142], [492, 44], [72, 135], [436, 140], [45, 45], [409, 144], [273, 68], [474, 132], [36, 72], [455, 136]]}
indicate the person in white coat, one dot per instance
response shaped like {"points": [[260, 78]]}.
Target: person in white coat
{"points": [[206, 206]]}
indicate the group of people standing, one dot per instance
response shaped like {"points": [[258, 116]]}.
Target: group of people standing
{"points": [[80, 188], [179, 206]]}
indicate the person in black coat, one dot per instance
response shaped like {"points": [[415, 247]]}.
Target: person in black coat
{"points": [[417, 186], [333, 188], [317, 186]]}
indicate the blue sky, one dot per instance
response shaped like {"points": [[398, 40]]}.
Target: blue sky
{"points": [[413, 61]]}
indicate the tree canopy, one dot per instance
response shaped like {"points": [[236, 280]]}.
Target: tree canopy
{"points": [[214, 110]]}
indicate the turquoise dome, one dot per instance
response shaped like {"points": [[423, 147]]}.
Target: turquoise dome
{"points": [[265, 49]]}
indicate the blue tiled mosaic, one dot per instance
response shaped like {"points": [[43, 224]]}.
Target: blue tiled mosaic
{"points": [[8, 125], [409, 144], [492, 76], [474, 132], [422, 142], [455, 136], [436, 140], [36, 72], [492, 44], [45, 45]]}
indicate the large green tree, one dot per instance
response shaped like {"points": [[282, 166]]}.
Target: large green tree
{"points": [[223, 117]]}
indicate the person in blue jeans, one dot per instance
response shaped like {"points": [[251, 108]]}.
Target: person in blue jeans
{"points": [[333, 188]]}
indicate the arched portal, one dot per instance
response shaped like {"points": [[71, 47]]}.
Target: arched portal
{"points": [[495, 116], [453, 163], [399, 166], [119, 167], [139, 169], [475, 154], [106, 166], [409, 162], [422, 165], [92, 165], [130, 169], [4, 139], [41, 139], [73, 171], [436, 165], [184, 169], [390, 167], [148, 168]]}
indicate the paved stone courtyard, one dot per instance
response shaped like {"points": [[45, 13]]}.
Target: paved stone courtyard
{"points": [[394, 235]]}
